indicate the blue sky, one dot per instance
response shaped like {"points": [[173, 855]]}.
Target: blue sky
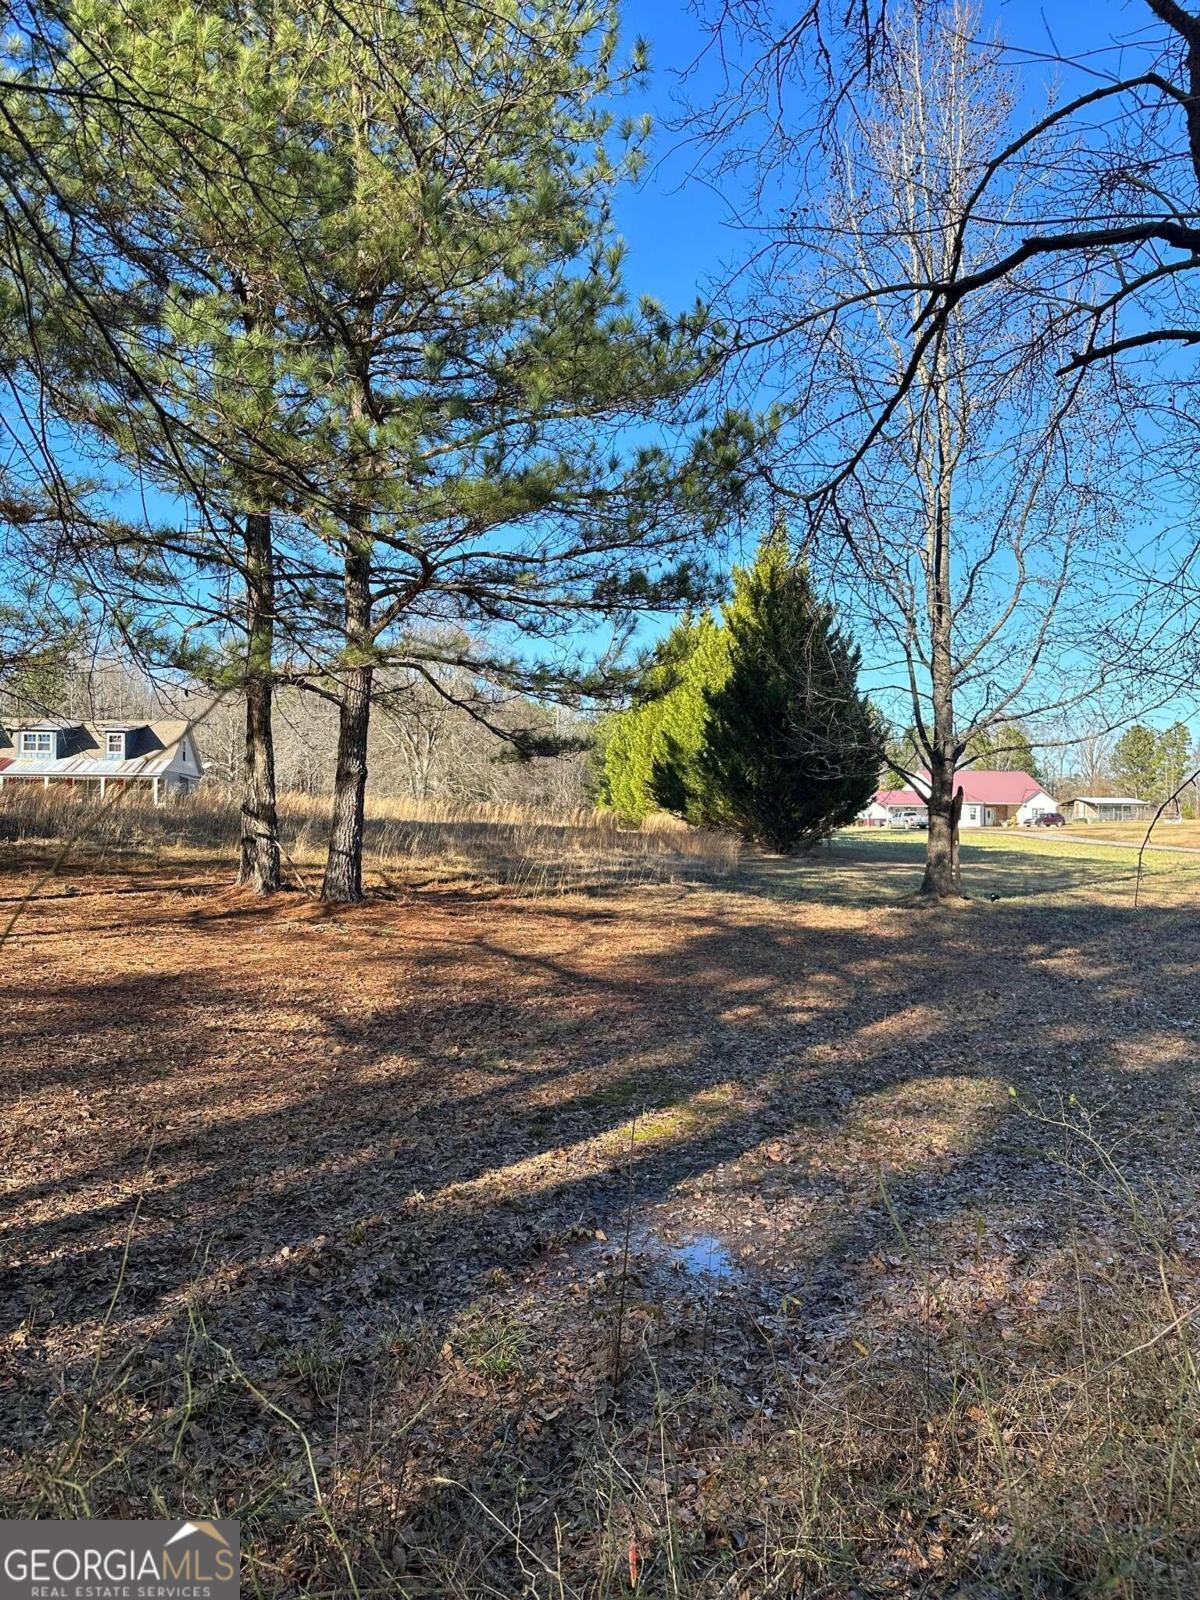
{"points": [[679, 229], [682, 233]]}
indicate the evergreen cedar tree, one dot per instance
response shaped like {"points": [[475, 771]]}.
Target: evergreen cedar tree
{"points": [[758, 724], [791, 748], [651, 752]]}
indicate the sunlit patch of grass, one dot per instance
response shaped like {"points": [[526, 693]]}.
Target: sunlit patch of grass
{"points": [[692, 1116], [489, 1343], [682, 1119], [904, 1125], [622, 1095], [318, 1366], [871, 868]]}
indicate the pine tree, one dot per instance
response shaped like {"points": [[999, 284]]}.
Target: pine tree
{"points": [[792, 749], [403, 340], [1135, 761]]}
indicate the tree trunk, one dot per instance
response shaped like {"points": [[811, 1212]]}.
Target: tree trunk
{"points": [[259, 866], [943, 875], [343, 864]]}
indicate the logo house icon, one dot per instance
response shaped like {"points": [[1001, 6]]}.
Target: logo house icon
{"points": [[201, 1555], [186, 1529]]}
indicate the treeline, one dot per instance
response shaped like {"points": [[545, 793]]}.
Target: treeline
{"points": [[750, 719], [1006, 746], [421, 746], [330, 304], [1150, 764]]}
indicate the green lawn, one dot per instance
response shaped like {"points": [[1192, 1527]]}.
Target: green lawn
{"points": [[861, 868]]}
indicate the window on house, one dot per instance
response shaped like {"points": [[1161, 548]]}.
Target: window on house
{"points": [[38, 743], [114, 745]]}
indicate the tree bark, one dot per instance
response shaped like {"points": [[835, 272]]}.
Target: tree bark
{"points": [[941, 880], [343, 863], [943, 874], [259, 867]]}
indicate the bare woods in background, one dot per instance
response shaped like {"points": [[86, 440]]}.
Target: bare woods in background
{"points": [[421, 747]]}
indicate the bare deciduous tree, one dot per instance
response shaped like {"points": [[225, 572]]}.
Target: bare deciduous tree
{"points": [[964, 534]]}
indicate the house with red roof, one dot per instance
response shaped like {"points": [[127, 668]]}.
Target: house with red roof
{"points": [[990, 800]]}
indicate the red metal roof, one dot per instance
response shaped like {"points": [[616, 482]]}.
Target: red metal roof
{"points": [[997, 788], [980, 787]]}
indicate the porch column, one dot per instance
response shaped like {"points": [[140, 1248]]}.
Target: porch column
{"points": [[102, 782], [156, 801]]}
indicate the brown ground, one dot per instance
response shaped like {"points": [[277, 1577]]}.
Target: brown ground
{"points": [[549, 1222]]}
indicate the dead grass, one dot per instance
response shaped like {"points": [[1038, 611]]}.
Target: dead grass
{"points": [[751, 1240], [1180, 833], [521, 848]]}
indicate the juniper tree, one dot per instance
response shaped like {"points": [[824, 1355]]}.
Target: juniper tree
{"points": [[792, 749], [651, 749], [752, 720]]}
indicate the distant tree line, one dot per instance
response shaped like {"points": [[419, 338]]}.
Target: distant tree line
{"points": [[1003, 747], [1153, 765]]}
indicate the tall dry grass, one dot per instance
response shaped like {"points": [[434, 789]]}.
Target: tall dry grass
{"points": [[522, 848]]}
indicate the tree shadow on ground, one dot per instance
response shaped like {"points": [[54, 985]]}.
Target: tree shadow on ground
{"points": [[877, 869], [321, 1131]]}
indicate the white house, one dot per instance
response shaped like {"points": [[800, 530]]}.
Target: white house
{"points": [[990, 800], [158, 758], [876, 815], [894, 808]]}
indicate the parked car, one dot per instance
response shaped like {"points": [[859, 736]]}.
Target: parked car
{"points": [[1049, 819]]}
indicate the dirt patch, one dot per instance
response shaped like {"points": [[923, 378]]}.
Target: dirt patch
{"points": [[275, 1173]]}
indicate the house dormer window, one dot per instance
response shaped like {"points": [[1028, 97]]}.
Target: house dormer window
{"points": [[37, 742], [114, 746]]}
